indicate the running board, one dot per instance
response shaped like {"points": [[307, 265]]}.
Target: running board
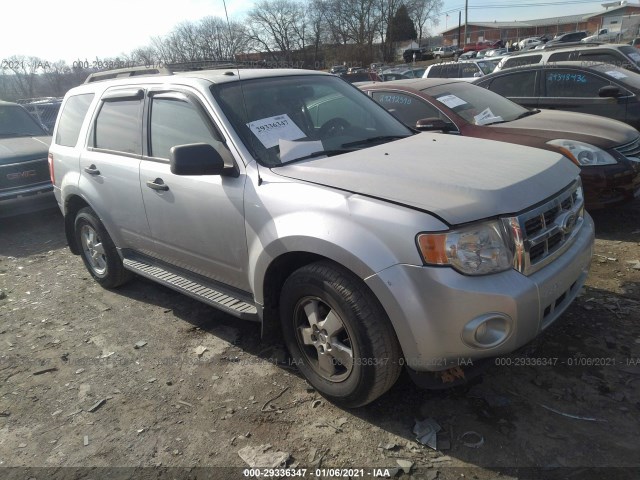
{"points": [[195, 288]]}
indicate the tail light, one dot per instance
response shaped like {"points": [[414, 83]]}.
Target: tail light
{"points": [[51, 172]]}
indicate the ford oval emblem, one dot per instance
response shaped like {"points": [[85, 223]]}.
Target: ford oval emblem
{"points": [[568, 222]]}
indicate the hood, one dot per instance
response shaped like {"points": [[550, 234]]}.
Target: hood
{"points": [[22, 149], [552, 124], [460, 179]]}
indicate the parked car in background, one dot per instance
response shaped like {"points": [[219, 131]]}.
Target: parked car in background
{"points": [[605, 35], [600, 89], [44, 110], [361, 76], [468, 69], [367, 247], [338, 69], [444, 52], [623, 55], [529, 43], [564, 38], [606, 151], [420, 54], [25, 184]]}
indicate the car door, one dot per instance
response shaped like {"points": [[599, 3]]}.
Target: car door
{"points": [[110, 167], [576, 90], [197, 222], [519, 87]]}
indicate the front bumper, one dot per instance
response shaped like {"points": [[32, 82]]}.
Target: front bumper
{"points": [[430, 307], [27, 199]]}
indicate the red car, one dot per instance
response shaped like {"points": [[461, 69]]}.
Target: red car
{"points": [[607, 151]]}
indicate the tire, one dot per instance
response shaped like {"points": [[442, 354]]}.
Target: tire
{"points": [[338, 334], [437, 57], [98, 251]]}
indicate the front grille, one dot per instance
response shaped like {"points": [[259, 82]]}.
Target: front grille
{"points": [[540, 235], [23, 174], [631, 149]]}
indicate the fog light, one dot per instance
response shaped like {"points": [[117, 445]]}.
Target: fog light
{"points": [[487, 331]]}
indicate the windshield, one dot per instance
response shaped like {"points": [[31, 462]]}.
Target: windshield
{"points": [[476, 104], [16, 122], [283, 119]]}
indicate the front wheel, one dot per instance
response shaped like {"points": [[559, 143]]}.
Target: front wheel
{"points": [[98, 251], [338, 334]]}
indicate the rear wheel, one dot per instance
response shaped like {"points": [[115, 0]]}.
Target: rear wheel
{"points": [[338, 334], [98, 251]]}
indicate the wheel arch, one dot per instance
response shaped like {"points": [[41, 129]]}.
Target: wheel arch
{"points": [[72, 205]]}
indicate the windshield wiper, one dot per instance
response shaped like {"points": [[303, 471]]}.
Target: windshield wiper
{"points": [[527, 113], [381, 138], [318, 154]]}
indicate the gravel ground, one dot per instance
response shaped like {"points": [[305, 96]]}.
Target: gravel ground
{"points": [[143, 377]]}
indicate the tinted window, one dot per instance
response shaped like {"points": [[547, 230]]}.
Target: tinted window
{"points": [[407, 108], [71, 119], [468, 70], [521, 61], [602, 57], [177, 122], [572, 83], [561, 56], [449, 70], [118, 126], [520, 84]]}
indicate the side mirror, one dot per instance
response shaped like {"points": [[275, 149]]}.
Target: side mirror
{"points": [[432, 124], [196, 159], [477, 75], [610, 91]]}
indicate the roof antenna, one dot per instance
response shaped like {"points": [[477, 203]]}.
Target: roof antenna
{"points": [[244, 103]]}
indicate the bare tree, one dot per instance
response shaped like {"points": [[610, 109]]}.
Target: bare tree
{"points": [[422, 11], [276, 26], [24, 70]]}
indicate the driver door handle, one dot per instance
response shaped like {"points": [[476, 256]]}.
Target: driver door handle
{"points": [[157, 184]]}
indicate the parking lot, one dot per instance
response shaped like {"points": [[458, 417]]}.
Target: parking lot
{"points": [[145, 377]]}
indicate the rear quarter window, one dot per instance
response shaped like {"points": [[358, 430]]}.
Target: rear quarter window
{"points": [[522, 61], [71, 119]]}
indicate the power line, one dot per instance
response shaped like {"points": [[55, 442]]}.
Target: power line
{"points": [[520, 5]]}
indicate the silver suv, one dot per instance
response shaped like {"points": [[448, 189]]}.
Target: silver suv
{"points": [[290, 198]]}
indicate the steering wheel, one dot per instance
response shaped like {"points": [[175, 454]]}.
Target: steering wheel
{"points": [[333, 127]]}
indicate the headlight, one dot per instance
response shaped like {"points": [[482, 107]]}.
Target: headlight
{"points": [[476, 250], [583, 154]]}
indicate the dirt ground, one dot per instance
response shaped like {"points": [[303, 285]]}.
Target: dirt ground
{"points": [[76, 392]]}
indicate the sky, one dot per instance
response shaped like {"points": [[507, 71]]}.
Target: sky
{"points": [[73, 30]]}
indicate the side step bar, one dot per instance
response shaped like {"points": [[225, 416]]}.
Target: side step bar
{"points": [[199, 289]]}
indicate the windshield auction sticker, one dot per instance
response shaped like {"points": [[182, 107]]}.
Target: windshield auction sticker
{"points": [[486, 116], [451, 101], [272, 129]]}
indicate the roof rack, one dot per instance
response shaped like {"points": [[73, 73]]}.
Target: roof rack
{"points": [[127, 72], [23, 101], [171, 68]]}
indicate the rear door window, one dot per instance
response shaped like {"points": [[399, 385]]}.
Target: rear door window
{"points": [[519, 84], [118, 126]]}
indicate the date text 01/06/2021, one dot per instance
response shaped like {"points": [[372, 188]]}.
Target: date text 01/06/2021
{"points": [[317, 473]]}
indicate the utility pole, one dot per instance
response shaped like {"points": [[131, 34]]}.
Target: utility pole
{"points": [[459, 24], [466, 11]]}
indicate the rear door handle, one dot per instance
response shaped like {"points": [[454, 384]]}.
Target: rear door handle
{"points": [[157, 184], [92, 170]]}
